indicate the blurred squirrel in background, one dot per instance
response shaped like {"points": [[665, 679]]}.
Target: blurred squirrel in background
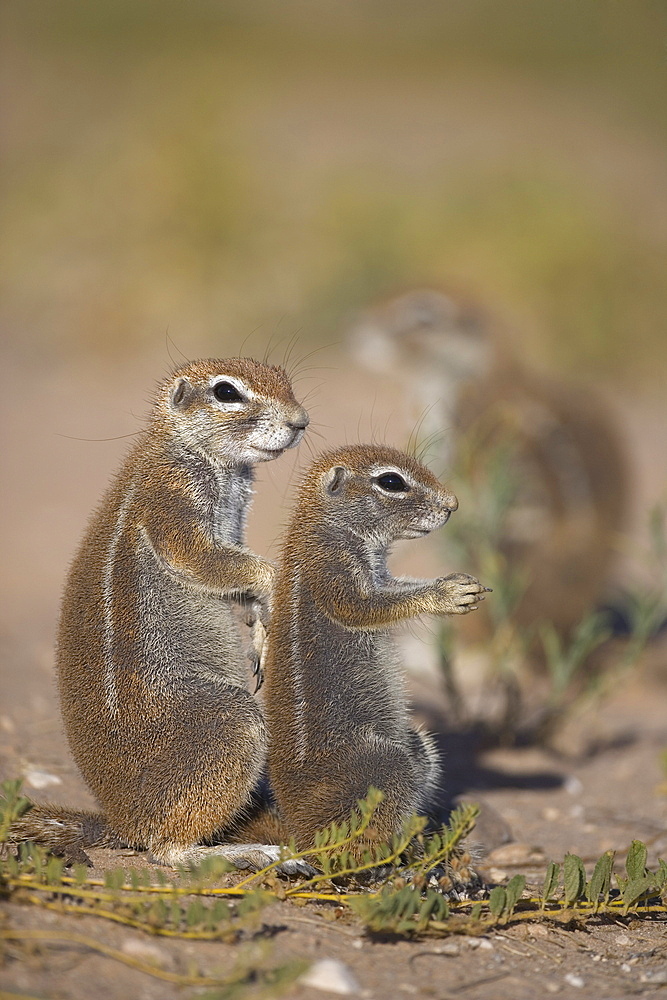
{"points": [[563, 457]]}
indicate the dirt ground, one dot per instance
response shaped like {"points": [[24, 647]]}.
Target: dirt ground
{"points": [[605, 789], [551, 804]]}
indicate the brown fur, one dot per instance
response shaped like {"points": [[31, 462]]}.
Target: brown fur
{"points": [[151, 665], [334, 699]]}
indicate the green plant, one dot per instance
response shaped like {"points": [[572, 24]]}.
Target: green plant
{"points": [[403, 897], [647, 602], [477, 535]]}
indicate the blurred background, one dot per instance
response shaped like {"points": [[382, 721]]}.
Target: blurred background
{"points": [[203, 178]]}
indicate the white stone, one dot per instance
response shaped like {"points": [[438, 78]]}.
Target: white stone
{"points": [[483, 943], [572, 980], [145, 952], [40, 779], [449, 948], [330, 976], [654, 976]]}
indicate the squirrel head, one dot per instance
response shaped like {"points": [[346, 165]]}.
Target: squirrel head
{"points": [[420, 327], [377, 493], [234, 411]]}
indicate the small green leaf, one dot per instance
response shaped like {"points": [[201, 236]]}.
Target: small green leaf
{"points": [[514, 889], [115, 879], [600, 882], [497, 901], [195, 913], [635, 864], [175, 914], [574, 877], [636, 887], [54, 871], [661, 874], [550, 881]]}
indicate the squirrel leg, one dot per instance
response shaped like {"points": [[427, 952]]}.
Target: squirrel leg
{"points": [[327, 788], [188, 771]]}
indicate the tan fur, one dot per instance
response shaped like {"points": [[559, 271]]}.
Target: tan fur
{"points": [[152, 668], [334, 697], [567, 455]]}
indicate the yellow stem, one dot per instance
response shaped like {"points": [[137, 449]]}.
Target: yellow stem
{"points": [[91, 911], [52, 937]]}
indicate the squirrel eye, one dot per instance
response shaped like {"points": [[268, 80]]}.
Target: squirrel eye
{"points": [[227, 393], [392, 482]]}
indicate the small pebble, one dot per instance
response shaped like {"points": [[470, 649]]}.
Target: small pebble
{"points": [[330, 976], [483, 943], [622, 939], [515, 854], [573, 786], [572, 980], [626, 968], [654, 976], [449, 948], [552, 987], [40, 779], [145, 952]]}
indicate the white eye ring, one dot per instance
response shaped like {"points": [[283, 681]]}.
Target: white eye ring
{"points": [[395, 481], [230, 391]]}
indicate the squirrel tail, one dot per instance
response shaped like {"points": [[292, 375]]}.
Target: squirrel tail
{"points": [[64, 832]]}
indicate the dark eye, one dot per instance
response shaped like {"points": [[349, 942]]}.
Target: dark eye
{"points": [[392, 482], [227, 393]]}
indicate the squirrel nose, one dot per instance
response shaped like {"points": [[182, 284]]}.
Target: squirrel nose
{"points": [[299, 422], [451, 503]]}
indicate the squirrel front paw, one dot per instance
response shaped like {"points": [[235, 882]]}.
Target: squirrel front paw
{"points": [[257, 651], [459, 593]]}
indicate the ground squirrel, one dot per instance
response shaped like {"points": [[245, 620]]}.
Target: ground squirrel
{"points": [[567, 459], [152, 669], [334, 694]]}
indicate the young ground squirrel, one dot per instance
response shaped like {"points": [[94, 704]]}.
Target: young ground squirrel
{"points": [[334, 695], [152, 669], [567, 463]]}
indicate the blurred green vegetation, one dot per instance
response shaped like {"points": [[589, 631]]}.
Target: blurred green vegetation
{"points": [[214, 167]]}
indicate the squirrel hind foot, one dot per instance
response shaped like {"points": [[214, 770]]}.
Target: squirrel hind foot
{"points": [[254, 857], [64, 832]]}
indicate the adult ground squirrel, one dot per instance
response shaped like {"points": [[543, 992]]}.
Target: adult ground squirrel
{"points": [[151, 665], [567, 462], [334, 694]]}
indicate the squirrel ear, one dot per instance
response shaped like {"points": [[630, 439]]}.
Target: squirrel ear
{"points": [[334, 480], [181, 394]]}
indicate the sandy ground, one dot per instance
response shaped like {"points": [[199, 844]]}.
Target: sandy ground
{"points": [[608, 792]]}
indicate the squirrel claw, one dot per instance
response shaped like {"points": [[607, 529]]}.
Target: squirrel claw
{"points": [[295, 866], [258, 674]]}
